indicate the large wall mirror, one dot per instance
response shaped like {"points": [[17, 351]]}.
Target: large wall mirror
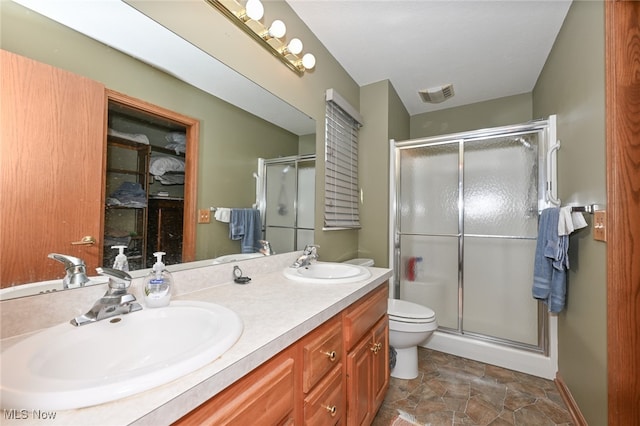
{"points": [[240, 122]]}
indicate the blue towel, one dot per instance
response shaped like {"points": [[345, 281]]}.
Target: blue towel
{"points": [[551, 262], [245, 225]]}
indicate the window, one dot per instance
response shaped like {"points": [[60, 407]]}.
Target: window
{"points": [[341, 193]]}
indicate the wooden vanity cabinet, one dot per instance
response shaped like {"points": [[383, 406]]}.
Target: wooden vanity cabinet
{"points": [[337, 374]]}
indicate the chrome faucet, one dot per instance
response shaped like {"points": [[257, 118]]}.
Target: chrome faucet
{"points": [[76, 270], [116, 301], [265, 248], [310, 253]]}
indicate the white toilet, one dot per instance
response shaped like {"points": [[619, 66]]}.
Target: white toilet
{"points": [[409, 325]]}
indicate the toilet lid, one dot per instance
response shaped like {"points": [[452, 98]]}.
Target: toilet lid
{"points": [[407, 311]]}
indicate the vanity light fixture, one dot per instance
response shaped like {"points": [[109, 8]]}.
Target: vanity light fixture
{"points": [[248, 18]]}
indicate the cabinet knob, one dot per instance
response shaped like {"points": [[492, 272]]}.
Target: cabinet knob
{"points": [[332, 410], [332, 355], [376, 347], [85, 241]]}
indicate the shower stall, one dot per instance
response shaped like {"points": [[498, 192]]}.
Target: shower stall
{"points": [[286, 200], [465, 213]]}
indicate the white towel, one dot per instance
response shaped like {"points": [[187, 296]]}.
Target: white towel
{"points": [[570, 221], [578, 220], [223, 214]]}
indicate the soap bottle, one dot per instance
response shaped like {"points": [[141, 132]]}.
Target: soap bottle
{"points": [[157, 285], [121, 263]]}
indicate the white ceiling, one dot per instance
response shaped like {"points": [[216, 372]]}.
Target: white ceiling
{"points": [[487, 49]]}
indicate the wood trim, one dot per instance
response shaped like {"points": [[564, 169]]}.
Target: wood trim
{"points": [[574, 411], [191, 164], [622, 71]]}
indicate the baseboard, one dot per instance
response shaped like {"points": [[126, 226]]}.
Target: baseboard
{"points": [[572, 407]]}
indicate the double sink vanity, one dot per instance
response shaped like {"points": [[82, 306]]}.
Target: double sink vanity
{"points": [[292, 346]]}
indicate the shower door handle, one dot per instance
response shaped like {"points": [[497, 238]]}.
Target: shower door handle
{"points": [[552, 174]]}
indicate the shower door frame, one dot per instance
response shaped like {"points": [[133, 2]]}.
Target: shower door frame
{"points": [[547, 197]]}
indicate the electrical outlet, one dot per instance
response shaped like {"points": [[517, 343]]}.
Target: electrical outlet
{"points": [[599, 225], [204, 216]]}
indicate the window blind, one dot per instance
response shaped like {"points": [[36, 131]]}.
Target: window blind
{"points": [[341, 190]]}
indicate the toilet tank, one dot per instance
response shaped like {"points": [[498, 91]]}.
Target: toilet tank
{"points": [[360, 261]]}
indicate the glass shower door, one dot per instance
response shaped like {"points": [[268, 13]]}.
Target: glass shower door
{"points": [[500, 230], [466, 219], [429, 236]]}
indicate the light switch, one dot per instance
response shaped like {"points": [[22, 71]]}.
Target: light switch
{"points": [[599, 225], [204, 216]]}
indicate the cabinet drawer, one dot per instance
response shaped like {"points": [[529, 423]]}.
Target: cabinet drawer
{"points": [[321, 351], [358, 319], [265, 396], [325, 405]]}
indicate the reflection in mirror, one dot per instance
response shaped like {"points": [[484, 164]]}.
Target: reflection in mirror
{"points": [[203, 72], [289, 201]]}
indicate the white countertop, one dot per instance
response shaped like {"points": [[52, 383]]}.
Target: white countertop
{"points": [[275, 311]]}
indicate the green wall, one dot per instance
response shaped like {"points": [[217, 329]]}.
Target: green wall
{"points": [[493, 113], [386, 118], [572, 86], [230, 139]]}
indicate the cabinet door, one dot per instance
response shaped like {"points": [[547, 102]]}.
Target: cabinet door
{"points": [[359, 384], [52, 133], [380, 362]]}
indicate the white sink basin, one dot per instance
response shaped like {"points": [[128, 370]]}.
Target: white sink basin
{"points": [[328, 273], [235, 257], [66, 367]]}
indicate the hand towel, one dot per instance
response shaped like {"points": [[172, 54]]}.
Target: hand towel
{"points": [[570, 221], [551, 262], [565, 222], [578, 220], [245, 225], [223, 214]]}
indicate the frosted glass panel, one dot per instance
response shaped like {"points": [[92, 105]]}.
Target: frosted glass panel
{"points": [[281, 239], [434, 282], [306, 195], [429, 189], [497, 289], [501, 186], [280, 195], [305, 237]]}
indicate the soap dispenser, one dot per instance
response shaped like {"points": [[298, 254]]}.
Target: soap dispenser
{"points": [[157, 285], [121, 263]]}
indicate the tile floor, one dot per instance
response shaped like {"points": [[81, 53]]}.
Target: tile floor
{"points": [[451, 390]]}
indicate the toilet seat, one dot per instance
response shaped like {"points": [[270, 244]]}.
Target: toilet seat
{"points": [[403, 311]]}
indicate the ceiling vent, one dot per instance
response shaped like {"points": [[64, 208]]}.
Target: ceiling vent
{"points": [[438, 94]]}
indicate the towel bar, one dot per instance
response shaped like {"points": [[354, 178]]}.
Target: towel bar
{"points": [[589, 208]]}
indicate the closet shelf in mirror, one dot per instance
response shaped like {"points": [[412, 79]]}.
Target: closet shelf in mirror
{"points": [[162, 150]]}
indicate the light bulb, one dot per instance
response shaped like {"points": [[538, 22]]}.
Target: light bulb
{"points": [[277, 29], [295, 46], [254, 10], [308, 61]]}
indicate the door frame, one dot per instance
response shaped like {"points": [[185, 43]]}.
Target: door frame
{"points": [[622, 30]]}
